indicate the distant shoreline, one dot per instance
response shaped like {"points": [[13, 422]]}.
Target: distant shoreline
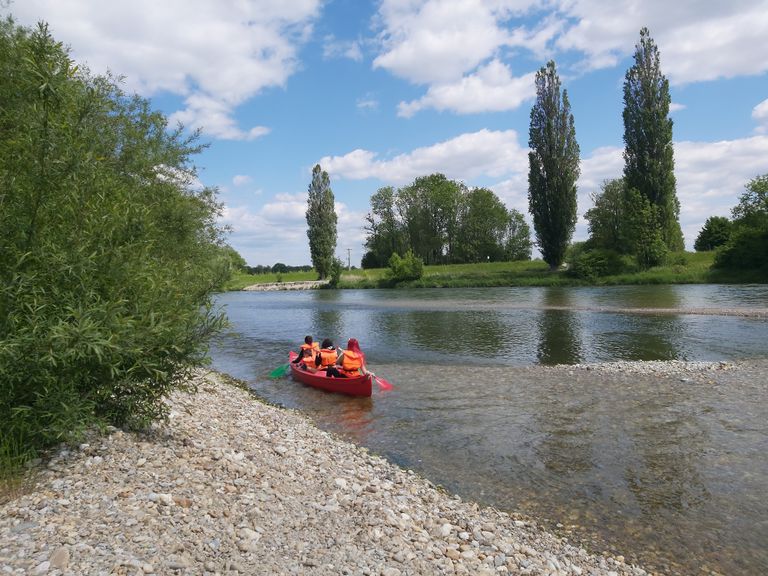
{"points": [[273, 286]]}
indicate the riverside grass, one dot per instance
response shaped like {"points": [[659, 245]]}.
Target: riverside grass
{"points": [[683, 268]]}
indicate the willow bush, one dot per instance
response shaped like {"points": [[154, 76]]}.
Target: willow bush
{"points": [[108, 251]]}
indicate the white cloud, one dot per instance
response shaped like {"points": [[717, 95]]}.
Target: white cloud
{"points": [[676, 107], [215, 58], [241, 180], [277, 232], [491, 89], [710, 178], [697, 41], [333, 48], [760, 114], [367, 103], [483, 153], [437, 41], [452, 45]]}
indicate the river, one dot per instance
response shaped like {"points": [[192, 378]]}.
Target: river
{"points": [[672, 471]]}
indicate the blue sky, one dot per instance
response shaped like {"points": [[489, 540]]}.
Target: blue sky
{"points": [[382, 92]]}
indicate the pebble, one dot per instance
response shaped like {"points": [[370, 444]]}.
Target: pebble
{"points": [[232, 485]]}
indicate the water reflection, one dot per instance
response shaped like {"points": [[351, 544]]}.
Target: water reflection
{"points": [[673, 469], [560, 338]]}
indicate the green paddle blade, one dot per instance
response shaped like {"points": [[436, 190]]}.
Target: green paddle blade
{"points": [[280, 371]]}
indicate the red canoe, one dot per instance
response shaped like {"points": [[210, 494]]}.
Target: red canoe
{"points": [[357, 386]]}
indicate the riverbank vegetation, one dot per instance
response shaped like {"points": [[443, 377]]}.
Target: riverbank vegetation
{"points": [[109, 250], [689, 268], [682, 268]]}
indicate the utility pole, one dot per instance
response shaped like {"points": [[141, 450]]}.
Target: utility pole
{"points": [[349, 259]]}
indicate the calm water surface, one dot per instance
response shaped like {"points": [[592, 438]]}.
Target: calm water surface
{"points": [[667, 471]]}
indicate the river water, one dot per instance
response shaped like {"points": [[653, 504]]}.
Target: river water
{"points": [[671, 472]]}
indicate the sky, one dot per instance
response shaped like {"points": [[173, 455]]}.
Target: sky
{"points": [[382, 92]]}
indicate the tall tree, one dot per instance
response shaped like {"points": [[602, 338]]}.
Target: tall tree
{"points": [[321, 222], [385, 234], [607, 218], [648, 153], [553, 167]]}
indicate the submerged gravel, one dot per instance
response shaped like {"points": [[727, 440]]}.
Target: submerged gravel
{"points": [[233, 486]]}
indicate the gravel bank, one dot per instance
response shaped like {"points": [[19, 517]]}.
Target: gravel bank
{"points": [[233, 486]]}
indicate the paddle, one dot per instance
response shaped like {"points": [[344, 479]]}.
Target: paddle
{"points": [[383, 384], [280, 371]]}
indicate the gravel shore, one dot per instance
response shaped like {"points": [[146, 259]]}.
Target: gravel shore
{"points": [[233, 486]]}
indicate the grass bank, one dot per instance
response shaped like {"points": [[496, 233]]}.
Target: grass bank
{"points": [[684, 268]]}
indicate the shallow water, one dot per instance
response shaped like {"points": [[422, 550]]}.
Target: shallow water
{"points": [[668, 471]]}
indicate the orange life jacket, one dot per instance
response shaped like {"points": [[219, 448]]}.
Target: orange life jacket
{"points": [[327, 357], [314, 347], [351, 362]]}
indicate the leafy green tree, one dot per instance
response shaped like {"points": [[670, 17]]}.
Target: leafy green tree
{"points": [[487, 231], [321, 222], [644, 239], [752, 209], [606, 219], [716, 232], [108, 252], [648, 153], [428, 209], [553, 167], [483, 222], [385, 231], [748, 247], [517, 238]]}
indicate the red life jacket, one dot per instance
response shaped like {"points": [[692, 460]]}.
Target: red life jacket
{"points": [[327, 357]]}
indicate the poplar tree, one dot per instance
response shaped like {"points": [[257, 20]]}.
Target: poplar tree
{"points": [[648, 153], [321, 222], [553, 167]]}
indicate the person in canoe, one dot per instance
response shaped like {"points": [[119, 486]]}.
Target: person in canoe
{"points": [[327, 356], [307, 351], [351, 362]]}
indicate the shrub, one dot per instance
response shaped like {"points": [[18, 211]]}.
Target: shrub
{"points": [[109, 253], [409, 267], [591, 264], [747, 249]]}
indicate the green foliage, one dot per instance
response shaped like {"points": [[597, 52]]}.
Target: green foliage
{"points": [[429, 211], [747, 250], [752, 209], [108, 254], [595, 263], [716, 232], [648, 153], [642, 230], [386, 234], [443, 222], [607, 217], [517, 237], [553, 167], [321, 222], [488, 231], [409, 267], [337, 267]]}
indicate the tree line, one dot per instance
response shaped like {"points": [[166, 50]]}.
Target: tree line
{"points": [[108, 251], [442, 221], [634, 222]]}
